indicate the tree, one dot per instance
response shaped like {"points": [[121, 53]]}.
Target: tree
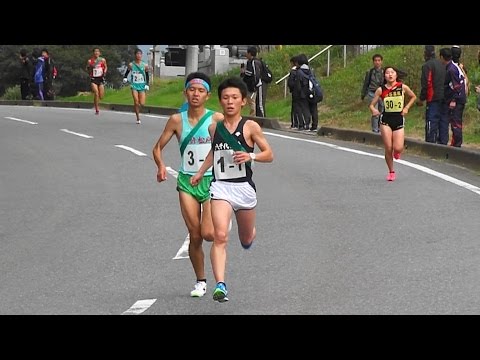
{"points": [[70, 61]]}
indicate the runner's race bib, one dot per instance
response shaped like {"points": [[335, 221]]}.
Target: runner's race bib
{"points": [[394, 101], [194, 156], [225, 168], [97, 71], [137, 77]]}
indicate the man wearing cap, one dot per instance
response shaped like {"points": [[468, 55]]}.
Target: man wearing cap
{"points": [[432, 91]]}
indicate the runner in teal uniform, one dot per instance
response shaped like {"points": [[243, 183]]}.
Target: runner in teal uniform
{"points": [[139, 80]]}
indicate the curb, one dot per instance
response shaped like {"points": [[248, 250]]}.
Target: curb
{"points": [[462, 156]]}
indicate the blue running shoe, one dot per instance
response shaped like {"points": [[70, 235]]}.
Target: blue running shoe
{"points": [[246, 247], [220, 292]]}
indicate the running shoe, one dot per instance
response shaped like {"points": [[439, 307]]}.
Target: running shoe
{"points": [[220, 292], [199, 290], [396, 155], [246, 247], [139, 122], [97, 112], [391, 176]]}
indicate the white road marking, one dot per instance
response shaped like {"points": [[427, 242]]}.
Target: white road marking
{"points": [[139, 307], [156, 116], [426, 170], [182, 253], [172, 172], [78, 134], [136, 152], [20, 120]]}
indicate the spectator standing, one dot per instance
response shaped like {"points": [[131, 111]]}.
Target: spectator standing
{"points": [[48, 91], [455, 96], [261, 101], [251, 76], [432, 92], [373, 80], [25, 74], [291, 84], [39, 73], [301, 91]]}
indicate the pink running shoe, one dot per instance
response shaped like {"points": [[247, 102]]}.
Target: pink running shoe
{"points": [[97, 112], [396, 155], [391, 176]]}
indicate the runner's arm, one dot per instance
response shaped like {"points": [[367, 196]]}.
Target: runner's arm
{"points": [[168, 132], [266, 154]]}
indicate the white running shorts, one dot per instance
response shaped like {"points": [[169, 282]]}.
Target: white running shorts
{"points": [[241, 196]]}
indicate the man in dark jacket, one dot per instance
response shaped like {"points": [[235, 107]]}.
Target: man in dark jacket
{"points": [[251, 76], [48, 90], [432, 91], [25, 74], [455, 96]]}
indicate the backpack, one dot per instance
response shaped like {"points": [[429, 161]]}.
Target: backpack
{"points": [[266, 75], [315, 94]]}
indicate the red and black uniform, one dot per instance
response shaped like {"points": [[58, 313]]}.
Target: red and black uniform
{"points": [[97, 70], [394, 101]]}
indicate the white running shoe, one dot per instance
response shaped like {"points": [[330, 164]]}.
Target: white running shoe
{"points": [[200, 289], [139, 122]]}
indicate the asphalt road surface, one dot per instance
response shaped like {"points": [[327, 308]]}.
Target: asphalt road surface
{"points": [[86, 229]]}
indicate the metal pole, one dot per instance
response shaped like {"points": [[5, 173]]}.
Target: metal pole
{"points": [[328, 63], [344, 56], [153, 60]]}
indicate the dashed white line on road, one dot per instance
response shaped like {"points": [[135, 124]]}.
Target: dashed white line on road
{"points": [[77, 134], [139, 307], [156, 116], [20, 120], [128, 148]]}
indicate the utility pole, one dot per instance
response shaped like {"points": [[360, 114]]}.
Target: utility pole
{"points": [[191, 61]]}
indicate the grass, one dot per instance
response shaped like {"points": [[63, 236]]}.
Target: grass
{"points": [[342, 106]]}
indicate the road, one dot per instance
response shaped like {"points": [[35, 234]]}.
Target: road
{"points": [[86, 229]]}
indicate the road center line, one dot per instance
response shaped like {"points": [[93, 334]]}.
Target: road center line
{"points": [[20, 120], [128, 148], [426, 170], [78, 134]]}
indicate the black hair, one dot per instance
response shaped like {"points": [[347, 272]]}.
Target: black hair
{"points": [[137, 50], [446, 53], [36, 53], [252, 50], [390, 67], [456, 53], [233, 82], [23, 52], [302, 59], [377, 56]]}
